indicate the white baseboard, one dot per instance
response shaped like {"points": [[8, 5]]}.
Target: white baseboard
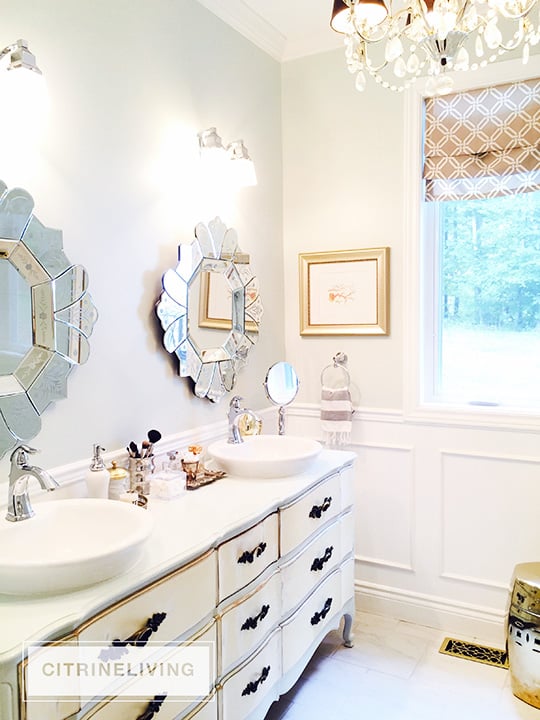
{"points": [[461, 620]]}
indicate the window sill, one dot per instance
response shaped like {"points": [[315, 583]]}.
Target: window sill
{"points": [[475, 416]]}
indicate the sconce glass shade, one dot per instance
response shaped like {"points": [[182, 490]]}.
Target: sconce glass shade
{"points": [[242, 167], [213, 155]]}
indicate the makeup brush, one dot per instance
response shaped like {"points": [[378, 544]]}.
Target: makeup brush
{"points": [[153, 436], [134, 449], [146, 448]]}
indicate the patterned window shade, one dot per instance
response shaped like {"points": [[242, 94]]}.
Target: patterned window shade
{"points": [[483, 143]]}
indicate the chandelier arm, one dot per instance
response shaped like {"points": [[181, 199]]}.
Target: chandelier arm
{"points": [[520, 15], [382, 31], [375, 69]]}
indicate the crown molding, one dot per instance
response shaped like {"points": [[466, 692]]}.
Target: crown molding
{"points": [[249, 24]]}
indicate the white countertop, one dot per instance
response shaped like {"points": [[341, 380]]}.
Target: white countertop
{"points": [[184, 528]]}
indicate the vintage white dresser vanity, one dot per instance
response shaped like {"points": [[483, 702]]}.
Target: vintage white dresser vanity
{"points": [[261, 568]]}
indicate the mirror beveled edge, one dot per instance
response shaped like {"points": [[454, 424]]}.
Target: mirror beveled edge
{"points": [[62, 314], [214, 249]]}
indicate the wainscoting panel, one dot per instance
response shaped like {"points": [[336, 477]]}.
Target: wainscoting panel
{"points": [[443, 514], [384, 511], [489, 515]]}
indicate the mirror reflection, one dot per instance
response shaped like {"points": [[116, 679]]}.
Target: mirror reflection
{"points": [[210, 309], [16, 325], [47, 318]]}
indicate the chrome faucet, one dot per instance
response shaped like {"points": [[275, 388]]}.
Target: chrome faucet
{"points": [[19, 507], [236, 412]]}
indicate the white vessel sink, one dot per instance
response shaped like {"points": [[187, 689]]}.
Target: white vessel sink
{"points": [[266, 456], [70, 544]]}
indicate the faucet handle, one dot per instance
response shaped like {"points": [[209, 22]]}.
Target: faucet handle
{"points": [[19, 454]]}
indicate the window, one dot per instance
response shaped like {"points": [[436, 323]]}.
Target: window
{"points": [[481, 242]]}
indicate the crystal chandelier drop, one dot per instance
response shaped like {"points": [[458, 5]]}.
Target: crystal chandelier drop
{"points": [[398, 40]]}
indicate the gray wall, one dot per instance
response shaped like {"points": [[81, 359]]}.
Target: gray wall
{"points": [[131, 83]]}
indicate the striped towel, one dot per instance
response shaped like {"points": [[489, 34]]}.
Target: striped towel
{"points": [[336, 415]]}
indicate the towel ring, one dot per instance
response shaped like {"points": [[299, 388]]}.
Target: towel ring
{"points": [[339, 363]]}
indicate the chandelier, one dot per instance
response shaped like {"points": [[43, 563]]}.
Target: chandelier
{"points": [[398, 40]]}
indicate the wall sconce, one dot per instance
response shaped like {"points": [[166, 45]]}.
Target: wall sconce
{"points": [[22, 86], [20, 57], [231, 164], [211, 146]]}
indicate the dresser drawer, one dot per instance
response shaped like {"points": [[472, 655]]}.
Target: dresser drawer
{"points": [[311, 620], [310, 512], [244, 557], [208, 711], [306, 570], [245, 623], [49, 709], [168, 710], [244, 689], [132, 708], [171, 605]]}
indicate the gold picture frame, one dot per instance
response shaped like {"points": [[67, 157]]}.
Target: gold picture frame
{"points": [[345, 292]]}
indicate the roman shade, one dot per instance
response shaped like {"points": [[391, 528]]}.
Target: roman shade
{"points": [[483, 143]]}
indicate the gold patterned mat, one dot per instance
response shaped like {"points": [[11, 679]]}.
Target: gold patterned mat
{"points": [[475, 652]]}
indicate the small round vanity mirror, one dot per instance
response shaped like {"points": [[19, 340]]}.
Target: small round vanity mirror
{"points": [[281, 385]]}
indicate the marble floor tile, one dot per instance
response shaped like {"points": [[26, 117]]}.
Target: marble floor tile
{"points": [[395, 672]]}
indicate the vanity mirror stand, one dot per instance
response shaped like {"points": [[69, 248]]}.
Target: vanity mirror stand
{"points": [[281, 385]]}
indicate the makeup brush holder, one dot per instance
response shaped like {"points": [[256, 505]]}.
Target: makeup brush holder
{"points": [[140, 470]]}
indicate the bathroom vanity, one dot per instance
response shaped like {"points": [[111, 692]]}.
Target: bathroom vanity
{"points": [[261, 570]]}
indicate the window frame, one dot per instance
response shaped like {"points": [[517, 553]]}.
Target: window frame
{"points": [[421, 271]]}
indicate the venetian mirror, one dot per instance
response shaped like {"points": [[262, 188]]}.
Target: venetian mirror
{"points": [[47, 317], [281, 385], [210, 309]]}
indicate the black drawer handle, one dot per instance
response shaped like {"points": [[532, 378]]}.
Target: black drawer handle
{"points": [[138, 639], [253, 686], [317, 510], [251, 622], [318, 616], [319, 563], [153, 708], [249, 555]]}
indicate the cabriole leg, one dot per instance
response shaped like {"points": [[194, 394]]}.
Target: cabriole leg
{"points": [[348, 637]]}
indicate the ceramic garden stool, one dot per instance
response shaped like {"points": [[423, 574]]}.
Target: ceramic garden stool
{"points": [[523, 633]]}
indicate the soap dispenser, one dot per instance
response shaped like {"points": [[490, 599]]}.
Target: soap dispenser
{"points": [[97, 476]]}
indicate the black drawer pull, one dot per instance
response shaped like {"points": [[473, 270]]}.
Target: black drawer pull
{"points": [[317, 510], [153, 708], [318, 616], [253, 686], [138, 639], [249, 555], [319, 563], [251, 622]]}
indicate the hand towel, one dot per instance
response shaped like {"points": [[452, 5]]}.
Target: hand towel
{"points": [[336, 415]]}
